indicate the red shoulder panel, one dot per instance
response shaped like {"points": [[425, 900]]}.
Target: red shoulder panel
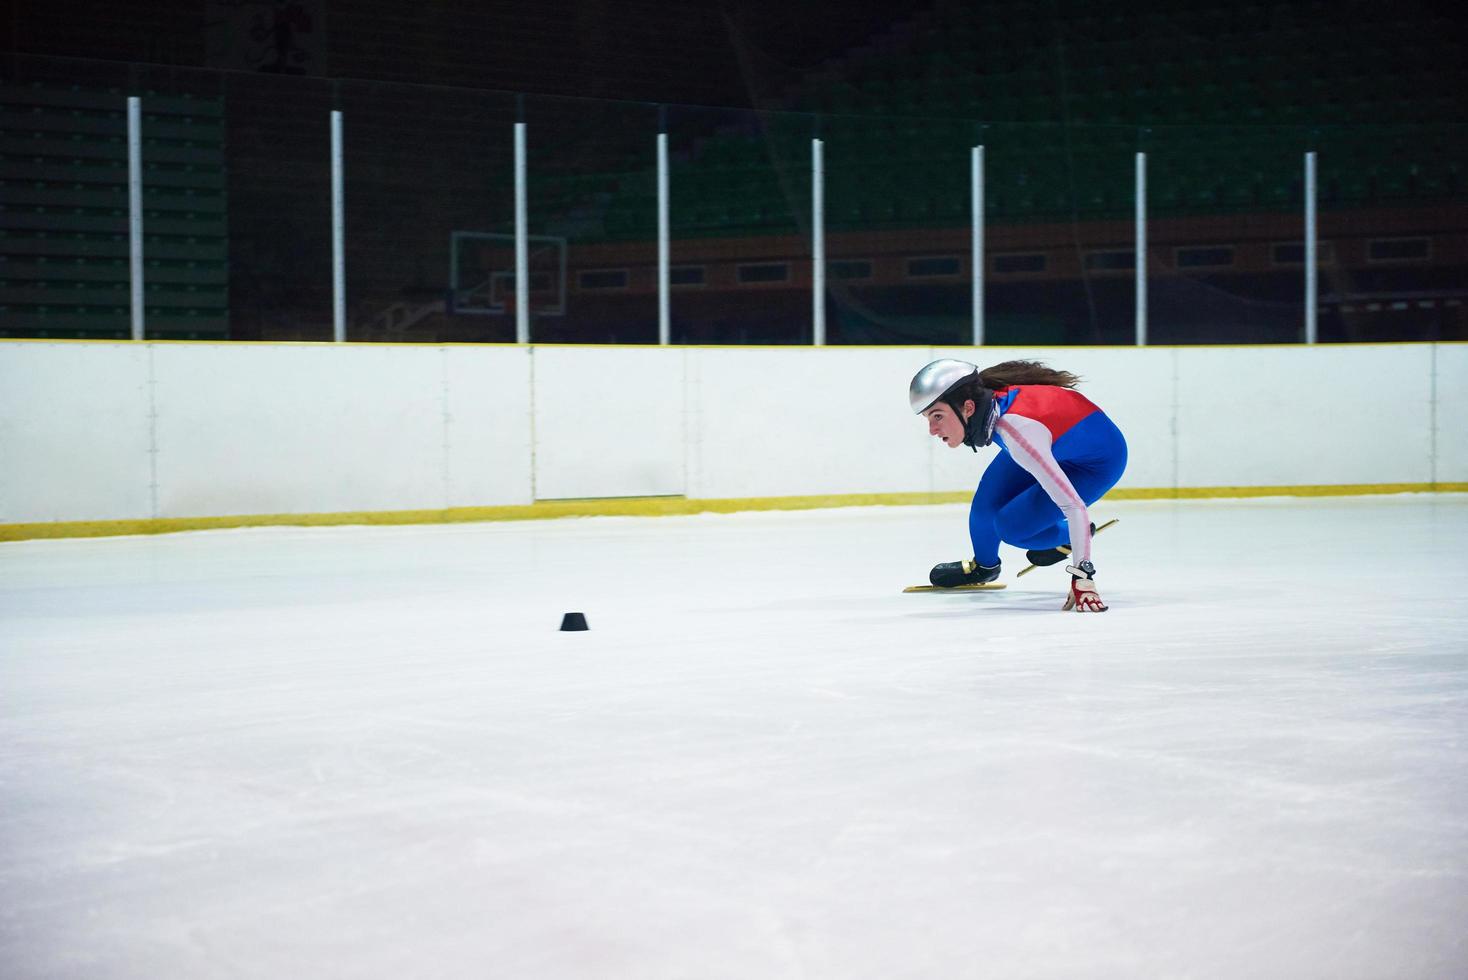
{"points": [[1058, 409]]}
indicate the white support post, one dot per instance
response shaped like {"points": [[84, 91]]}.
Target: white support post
{"points": [[522, 243], [818, 242], [135, 210], [1140, 262], [1310, 269], [665, 327], [976, 188], [338, 235]]}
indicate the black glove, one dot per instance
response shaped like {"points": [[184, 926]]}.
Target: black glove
{"points": [[951, 574]]}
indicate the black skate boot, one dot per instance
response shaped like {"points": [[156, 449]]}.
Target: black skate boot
{"points": [[951, 574], [1052, 556]]}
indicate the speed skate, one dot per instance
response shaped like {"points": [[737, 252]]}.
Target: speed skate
{"points": [[984, 587], [991, 586]]}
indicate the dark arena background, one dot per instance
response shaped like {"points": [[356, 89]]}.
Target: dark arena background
{"points": [[1224, 99]]}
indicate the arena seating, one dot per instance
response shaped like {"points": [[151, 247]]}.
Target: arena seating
{"points": [[64, 214], [1225, 100]]}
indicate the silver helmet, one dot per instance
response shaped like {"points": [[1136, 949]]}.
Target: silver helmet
{"points": [[934, 380]]}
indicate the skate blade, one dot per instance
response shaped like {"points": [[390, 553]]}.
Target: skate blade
{"points": [[985, 587], [1030, 568]]}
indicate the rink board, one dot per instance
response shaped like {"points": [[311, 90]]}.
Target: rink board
{"points": [[116, 431]]}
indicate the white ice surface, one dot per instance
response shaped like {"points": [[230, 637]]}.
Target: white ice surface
{"points": [[369, 752]]}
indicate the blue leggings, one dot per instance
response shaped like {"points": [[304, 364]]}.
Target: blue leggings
{"points": [[1010, 506]]}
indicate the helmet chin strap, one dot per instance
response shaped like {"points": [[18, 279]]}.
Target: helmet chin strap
{"points": [[978, 428]]}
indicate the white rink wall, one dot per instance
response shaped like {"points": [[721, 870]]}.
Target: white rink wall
{"points": [[126, 431]]}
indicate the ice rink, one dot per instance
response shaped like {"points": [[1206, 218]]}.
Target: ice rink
{"points": [[369, 752]]}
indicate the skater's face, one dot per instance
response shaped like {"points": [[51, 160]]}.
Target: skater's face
{"points": [[947, 426]]}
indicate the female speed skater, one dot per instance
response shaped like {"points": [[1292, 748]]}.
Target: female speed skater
{"points": [[1058, 453]]}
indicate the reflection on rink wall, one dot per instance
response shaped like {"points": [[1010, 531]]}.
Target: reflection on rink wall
{"points": [[177, 435]]}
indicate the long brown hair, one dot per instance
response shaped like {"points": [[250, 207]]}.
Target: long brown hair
{"points": [[1025, 373]]}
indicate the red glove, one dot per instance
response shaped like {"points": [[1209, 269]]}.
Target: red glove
{"points": [[1083, 595]]}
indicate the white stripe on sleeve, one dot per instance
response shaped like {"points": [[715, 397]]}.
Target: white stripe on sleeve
{"points": [[1029, 444]]}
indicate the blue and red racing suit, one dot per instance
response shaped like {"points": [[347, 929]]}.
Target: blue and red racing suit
{"points": [[1058, 453]]}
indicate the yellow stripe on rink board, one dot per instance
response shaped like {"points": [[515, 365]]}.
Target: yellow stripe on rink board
{"points": [[541, 510], [651, 507]]}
